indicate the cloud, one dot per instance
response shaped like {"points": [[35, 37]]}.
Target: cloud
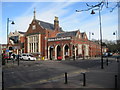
{"points": [[22, 22], [68, 20], [55, 0]]}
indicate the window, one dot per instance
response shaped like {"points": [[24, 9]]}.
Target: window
{"points": [[34, 27]]}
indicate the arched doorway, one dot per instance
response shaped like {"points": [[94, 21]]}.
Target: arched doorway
{"points": [[58, 51], [65, 52], [73, 49], [83, 51], [50, 52]]}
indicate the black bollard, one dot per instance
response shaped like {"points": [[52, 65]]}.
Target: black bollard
{"points": [[3, 61], [107, 61], [13, 61], [2, 80], [18, 60], [66, 78], [117, 59], [115, 82], [7, 60], [84, 79]]}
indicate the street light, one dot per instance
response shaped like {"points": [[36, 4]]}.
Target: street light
{"points": [[100, 36], [115, 33], [90, 43], [12, 22]]}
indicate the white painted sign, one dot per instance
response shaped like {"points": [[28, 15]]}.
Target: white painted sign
{"points": [[60, 38]]}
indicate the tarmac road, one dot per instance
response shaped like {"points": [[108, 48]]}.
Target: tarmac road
{"points": [[41, 73]]}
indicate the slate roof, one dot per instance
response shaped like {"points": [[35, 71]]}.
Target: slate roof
{"points": [[21, 32], [47, 25], [66, 34]]}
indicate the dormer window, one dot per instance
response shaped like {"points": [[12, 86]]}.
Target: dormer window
{"points": [[33, 27]]}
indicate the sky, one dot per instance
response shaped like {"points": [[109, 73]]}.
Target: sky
{"points": [[22, 14]]}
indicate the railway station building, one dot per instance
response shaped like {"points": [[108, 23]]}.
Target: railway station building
{"points": [[52, 42]]}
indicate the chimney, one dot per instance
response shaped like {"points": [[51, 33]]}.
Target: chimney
{"points": [[56, 23]]}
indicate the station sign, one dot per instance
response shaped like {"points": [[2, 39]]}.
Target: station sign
{"points": [[59, 38]]}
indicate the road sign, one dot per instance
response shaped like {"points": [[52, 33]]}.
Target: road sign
{"points": [[7, 50]]}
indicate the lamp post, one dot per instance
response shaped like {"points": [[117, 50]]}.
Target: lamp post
{"points": [[12, 22], [100, 36], [90, 49], [99, 6], [115, 33]]}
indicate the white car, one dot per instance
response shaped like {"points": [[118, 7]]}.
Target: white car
{"points": [[27, 57]]}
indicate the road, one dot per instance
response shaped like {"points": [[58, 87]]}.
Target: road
{"points": [[36, 73]]}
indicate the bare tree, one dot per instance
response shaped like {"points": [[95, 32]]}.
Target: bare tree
{"points": [[100, 5]]}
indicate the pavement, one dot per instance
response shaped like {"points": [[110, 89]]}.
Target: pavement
{"points": [[95, 78]]}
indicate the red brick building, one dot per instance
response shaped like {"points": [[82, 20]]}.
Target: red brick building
{"points": [[71, 44], [16, 42], [51, 42]]}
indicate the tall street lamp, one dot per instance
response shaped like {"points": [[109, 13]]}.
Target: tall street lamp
{"points": [[100, 36], [90, 48], [99, 6], [12, 22], [115, 33]]}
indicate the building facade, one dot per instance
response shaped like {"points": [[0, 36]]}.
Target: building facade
{"points": [[16, 42], [72, 44], [51, 42]]}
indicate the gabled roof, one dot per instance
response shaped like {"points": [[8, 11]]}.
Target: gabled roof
{"points": [[65, 34], [47, 25], [21, 32], [82, 34]]}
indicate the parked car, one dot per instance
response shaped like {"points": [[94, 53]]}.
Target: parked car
{"points": [[107, 54], [27, 57]]}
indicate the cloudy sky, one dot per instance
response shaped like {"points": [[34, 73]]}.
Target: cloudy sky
{"points": [[22, 14]]}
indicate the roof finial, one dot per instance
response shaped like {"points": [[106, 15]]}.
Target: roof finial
{"points": [[34, 14]]}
